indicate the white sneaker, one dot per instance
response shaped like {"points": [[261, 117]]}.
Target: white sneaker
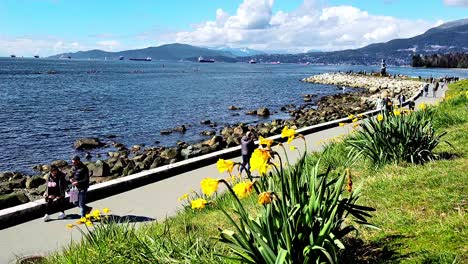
{"points": [[46, 218], [61, 215]]}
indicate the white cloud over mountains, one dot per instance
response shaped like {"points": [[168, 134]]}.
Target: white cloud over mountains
{"points": [[314, 25], [463, 3]]}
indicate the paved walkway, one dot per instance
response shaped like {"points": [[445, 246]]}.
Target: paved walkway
{"points": [[154, 201]]}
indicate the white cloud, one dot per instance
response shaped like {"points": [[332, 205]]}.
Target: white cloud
{"points": [[108, 44], [312, 26], [33, 45], [456, 3]]}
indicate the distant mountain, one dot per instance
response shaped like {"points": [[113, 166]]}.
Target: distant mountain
{"points": [[174, 51], [450, 37]]}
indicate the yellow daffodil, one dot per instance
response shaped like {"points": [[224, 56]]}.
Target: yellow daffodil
{"points": [[396, 112], [341, 124], [82, 220], [422, 106], [243, 189], [106, 210], [87, 216], [70, 226], [264, 198], [355, 120], [466, 94], [96, 213], [183, 197], [259, 160], [225, 165], [292, 148], [351, 116], [199, 203], [380, 117], [265, 141], [289, 133], [89, 223], [209, 186]]}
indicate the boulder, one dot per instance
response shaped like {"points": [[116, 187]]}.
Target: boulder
{"points": [[307, 99], [238, 131], [88, 143], [41, 189], [205, 122], [214, 140], [13, 199], [34, 182], [252, 112], [101, 169], [208, 133], [5, 188], [374, 89], [180, 129], [233, 107], [263, 111], [156, 162], [4, 176], [170, 153], [60, 163]]}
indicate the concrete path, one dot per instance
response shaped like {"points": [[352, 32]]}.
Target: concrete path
{"points": [[153, 201]]}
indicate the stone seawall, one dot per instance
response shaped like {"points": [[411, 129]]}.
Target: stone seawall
{"points": [[374, 84]]}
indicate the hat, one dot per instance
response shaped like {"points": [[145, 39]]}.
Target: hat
{"points": [[76, 158]]}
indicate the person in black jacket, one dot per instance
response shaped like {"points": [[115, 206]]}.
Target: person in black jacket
{"points": [[56, 186], [80, 179]]}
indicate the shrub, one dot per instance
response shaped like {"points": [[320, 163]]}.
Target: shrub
{"points": [[396, 138]]}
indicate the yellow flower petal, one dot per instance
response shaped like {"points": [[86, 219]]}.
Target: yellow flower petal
{"points": [[351, 116], [106, 210], [199, 203], [183, 197], [225, 165], [259, 160], [89, 223], [264, 198], [341, 124], [70, 226], [292, 148], [243, 189], [265, 141], [209, 186], [380, 117], [422, 106]]}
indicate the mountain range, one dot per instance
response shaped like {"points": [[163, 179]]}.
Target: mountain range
{"points": [[450, 37]]}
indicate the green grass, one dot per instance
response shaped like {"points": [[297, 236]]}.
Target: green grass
{"points": [[420, 211]]}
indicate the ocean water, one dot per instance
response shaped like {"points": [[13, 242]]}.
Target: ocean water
{"points": [[41, 114]]}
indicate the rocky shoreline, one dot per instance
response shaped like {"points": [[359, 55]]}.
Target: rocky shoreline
{"points": [[16, 188]]}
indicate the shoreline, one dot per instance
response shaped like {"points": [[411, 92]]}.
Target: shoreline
{"points": [[126, 161]]}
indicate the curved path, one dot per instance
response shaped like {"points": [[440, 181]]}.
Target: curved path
{"points": [[153, 201]]}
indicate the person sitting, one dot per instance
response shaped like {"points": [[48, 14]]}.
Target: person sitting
{"points": [[56, 186]]}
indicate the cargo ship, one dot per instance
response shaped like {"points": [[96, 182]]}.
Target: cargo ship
{"points": [[201, 59], [141, 59]]}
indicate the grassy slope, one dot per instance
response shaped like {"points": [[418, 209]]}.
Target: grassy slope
{"points": [[420, 210]]}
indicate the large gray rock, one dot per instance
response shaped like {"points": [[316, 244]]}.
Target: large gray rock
{"points": [[5, 188], [59, 163], [4, 176], [100, 169], [13, 199], [88, 143], [263, 111], [34, 182], [170, 153]]}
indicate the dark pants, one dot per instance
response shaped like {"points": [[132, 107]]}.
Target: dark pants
{"points": [[53, 206], [245, 163], [82, 202]]}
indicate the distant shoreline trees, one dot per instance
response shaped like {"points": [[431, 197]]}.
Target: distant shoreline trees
{"points": [[451, 60]]}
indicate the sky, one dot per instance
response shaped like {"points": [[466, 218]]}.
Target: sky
{"points": [[48, 27]]}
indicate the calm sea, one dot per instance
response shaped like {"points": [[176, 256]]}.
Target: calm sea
{"points": [[42, 114]]}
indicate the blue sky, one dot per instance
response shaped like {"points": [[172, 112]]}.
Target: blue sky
{"points": [[52, 26]]}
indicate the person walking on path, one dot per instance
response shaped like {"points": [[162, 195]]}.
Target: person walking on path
{"points": [[379, 103], [401, 100], [55, 192], [434, 90], [426, 89], [247, 148], [80, 180]]}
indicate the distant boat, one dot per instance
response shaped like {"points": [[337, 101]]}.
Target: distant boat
{"points": [[121, 58], [36, 56], [201, 59], [252, 61], [141, 59], [65, 57], [13, 56]]}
